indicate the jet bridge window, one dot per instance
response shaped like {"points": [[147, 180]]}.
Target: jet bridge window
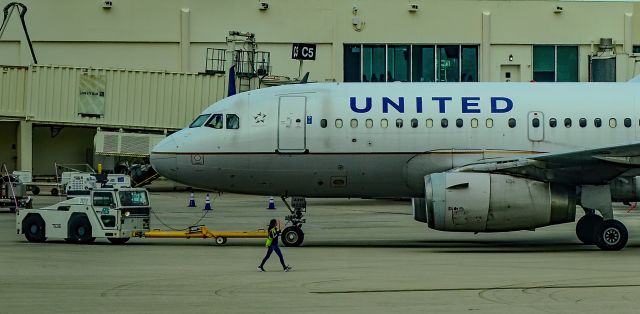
{"points": [[512, 123], [444, 123], [627, 123], [233, 121], [215, 122], [414, 123], [339, 123], [597, 122], [553, 122], [399, 123], [323, 123], [582, 122], [459, 123], [567, 122], [199, 121], [354, 123], [613, 123]]}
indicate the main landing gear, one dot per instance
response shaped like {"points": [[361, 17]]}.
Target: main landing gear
{"points": [[293, 235], [607, 234]]}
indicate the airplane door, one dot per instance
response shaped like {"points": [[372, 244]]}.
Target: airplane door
{"points": [[536, 126], [292, 124]]}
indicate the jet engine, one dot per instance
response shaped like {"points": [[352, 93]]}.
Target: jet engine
{"points": [[483, 202]]}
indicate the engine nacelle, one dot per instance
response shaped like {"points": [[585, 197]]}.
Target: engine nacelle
{"points": [[483, 202], [625, 189]]}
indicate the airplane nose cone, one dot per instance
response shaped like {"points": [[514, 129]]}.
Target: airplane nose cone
{"points": [[163, 158]]}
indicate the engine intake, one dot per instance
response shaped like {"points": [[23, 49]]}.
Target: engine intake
{"points": [[483, 202]]}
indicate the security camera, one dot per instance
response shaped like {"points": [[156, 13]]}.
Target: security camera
{"points": [[558, 10], [263, 6], [413, 7], [107, 4]]}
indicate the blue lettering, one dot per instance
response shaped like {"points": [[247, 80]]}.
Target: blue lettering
{"points": [[441, 103], [419, 104], [468, 103], [399, 106], [507, 107], [354, 105]]}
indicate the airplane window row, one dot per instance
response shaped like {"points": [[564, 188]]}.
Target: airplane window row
{"points": [[216, 121], [444, 123], [414, 123], [582, 122]]}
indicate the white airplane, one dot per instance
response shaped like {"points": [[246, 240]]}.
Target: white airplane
{"points": [[475, 157]]}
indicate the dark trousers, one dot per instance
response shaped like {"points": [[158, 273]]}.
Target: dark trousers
{"points": [[272, 248]]}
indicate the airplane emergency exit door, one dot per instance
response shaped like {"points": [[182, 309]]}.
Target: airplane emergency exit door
{"points": [[292, 124]]}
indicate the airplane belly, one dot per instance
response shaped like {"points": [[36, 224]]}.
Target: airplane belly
{"points": [[310, 175]]}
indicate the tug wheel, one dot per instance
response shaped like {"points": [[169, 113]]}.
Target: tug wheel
{"points": [[221, 240], [80, 230], [33, 228]]}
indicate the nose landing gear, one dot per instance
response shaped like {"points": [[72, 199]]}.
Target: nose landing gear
{"points": [[293, 234]]}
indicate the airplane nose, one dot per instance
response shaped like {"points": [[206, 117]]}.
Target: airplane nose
{"points": [[163, 158]]}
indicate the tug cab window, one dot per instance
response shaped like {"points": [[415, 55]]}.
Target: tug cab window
{"points": [[233, 121], [215, 122], [103, 199], [199, 121]]}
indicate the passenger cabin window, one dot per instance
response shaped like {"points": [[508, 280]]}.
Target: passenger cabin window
{"points": [[354, 123], [339, 123], [474, 123], [323, 123], [553, 122], [215, 122], [399, 123], [512, 123], [459, 123], [429, 123], [613, 123], [535, 122], [444, 123], [368, 123], [199, 121], [597, 122], [489, 123], [384, 123], [414, 123], [627, 123], [582, 122], [233, 121], [567, 122]]}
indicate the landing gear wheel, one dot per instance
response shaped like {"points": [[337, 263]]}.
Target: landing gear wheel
{"points": [[33, 228], [118, 241], [586, 228], [54, 192], [292, 236], [221, 240], [35, 190], [80, 230], [611, 235]]}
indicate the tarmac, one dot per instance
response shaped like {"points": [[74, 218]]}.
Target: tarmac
{"points": [[359, 256]]}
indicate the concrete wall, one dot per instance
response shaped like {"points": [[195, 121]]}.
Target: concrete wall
{"points": [[72, 145], [8, 144], [173, 35]]}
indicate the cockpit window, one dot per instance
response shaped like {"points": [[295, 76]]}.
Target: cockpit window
{"points": [[233, 121], [215, 122], [199, 121]]}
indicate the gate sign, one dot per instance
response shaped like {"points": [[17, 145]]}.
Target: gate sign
{"points": [[303, 51]]}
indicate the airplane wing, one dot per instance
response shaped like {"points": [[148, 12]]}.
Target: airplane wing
{"points": [[588, 166]]}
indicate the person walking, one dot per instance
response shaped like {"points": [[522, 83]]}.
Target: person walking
{"points": [[272, 245]]}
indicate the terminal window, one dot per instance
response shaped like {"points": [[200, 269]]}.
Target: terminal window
{"points": [[410, 63], [555, 63]]}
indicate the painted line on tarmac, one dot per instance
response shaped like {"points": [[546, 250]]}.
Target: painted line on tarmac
{"points": [[476, 289]]}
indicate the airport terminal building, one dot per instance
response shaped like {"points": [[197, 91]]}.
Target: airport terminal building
{"points": [[113, 77]]}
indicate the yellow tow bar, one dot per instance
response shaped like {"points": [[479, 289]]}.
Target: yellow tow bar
{"points": [[202, 232]]}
